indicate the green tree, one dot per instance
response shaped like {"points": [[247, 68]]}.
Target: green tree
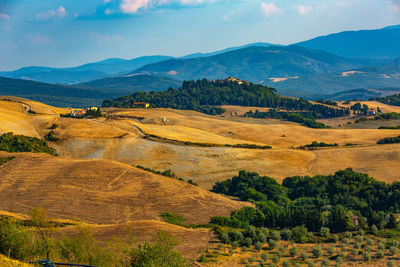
{"points": [[159, 253]]}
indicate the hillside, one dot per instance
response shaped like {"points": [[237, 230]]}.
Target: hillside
{"points": [[101, 191], [379, 44], [52, 94], [83, 73], [133, 83], [255, 64]]}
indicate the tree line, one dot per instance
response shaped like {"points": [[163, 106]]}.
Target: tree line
{"points": [[344, 201]]}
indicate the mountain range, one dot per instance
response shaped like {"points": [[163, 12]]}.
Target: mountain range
{"points": [[320, 67]]}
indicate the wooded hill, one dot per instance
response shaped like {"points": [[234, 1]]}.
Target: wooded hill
{"points": [[204, 95]]}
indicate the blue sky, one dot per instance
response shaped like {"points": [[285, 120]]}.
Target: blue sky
{"points": [[61, 33]]}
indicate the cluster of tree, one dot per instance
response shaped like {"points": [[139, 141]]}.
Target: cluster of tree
{"points": [[327, 102], [389, 140], [316, 144], [388, 116], [38, 241], [393, 100], [21, 143], [93, 113], [306, 118], [167, 173], [359, 109], [343, 201], [204, 95], [390, 127]]}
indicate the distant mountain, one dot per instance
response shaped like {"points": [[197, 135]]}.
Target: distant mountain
{"points": [[83, 73], [52, 94], [255, 64], [260, 44], [379, 44], [133, 83], [362, 94], [328, 84]]}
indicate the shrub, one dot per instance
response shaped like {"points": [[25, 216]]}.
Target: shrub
{"points": [[276, 235], [380, 254], [311, 264], [272, 243], [225, 238], [287, 234], [264, 256], [293, 251], [231, 251], [285, 264], [303, 256], [331, 250], [262, 238], [370, 242], [300, 234], [359, 239], [235, 244], [237, 236], [361, 232], [21, 143], [374, 229], [339, 260], [335, 238], [276, 259], [355, 252], [390, 263], [248, 242], [346, 241], [357, 245], [348, 235], [393, 250], [317, 251], [367, 255], [324, 231], [381, 245], [258, 245]]}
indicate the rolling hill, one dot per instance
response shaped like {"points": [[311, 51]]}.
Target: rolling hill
{"points": [[102, 191], [255, 64], [378, 44]]}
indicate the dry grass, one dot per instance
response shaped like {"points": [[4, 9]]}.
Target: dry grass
{"points": [[7, 262], [100, 191]]}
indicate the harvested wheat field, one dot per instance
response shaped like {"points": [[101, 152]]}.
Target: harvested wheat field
{"points": [[101, 191]]}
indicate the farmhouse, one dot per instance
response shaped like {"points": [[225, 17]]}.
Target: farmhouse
{"points": [[78, 113]]}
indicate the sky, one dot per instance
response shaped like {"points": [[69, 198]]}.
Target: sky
{"points": [[66, 33]]}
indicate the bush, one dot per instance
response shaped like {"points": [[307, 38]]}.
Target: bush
{"points": [[335, 238], [346, 241], [225, 238], [286, 264], [355, 252], [380, 254], [359, 239], [262, 238], [393, 250], [381, 245], [293, 251], [324, 231], [317, 251], [370, 242], [311, 264], [390, 263], [248, 242], [276, 259], [258, 245], [348, 235], [21, 143], [331, 250], [235, 244], [264, 256], [276, 235], [287, 234], [300, 234], [303, 256], [272, 243], [374, 229], [357, 245], [367, 255]]}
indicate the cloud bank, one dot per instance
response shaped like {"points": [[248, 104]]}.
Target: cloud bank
{"points": [[270, 9]]}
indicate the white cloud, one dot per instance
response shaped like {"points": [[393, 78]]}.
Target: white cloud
{"points": [[133, 6], [394, 5], [60, 13], [4, 16], [270, 9], [303, 10]]}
